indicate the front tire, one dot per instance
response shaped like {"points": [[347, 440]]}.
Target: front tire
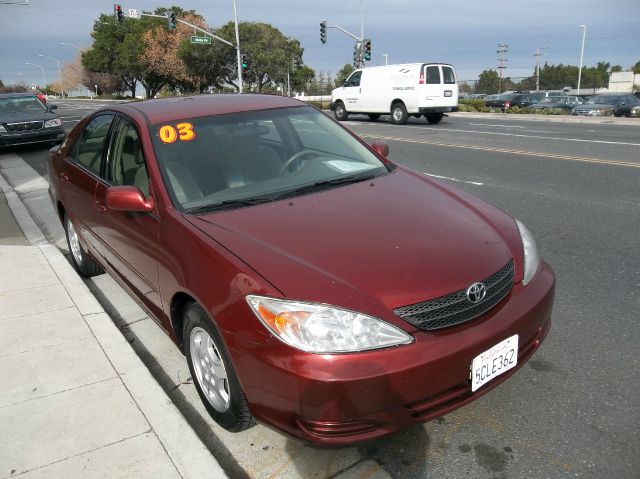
{"points": [[340, 111], [82, 262], [399, 114], [434, 118], [212, 372]]}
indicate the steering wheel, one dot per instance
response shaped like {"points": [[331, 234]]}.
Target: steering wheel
{"points": [[295, 157]]}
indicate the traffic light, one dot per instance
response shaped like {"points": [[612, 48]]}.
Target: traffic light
{"points": [[367, 50], [357, 50], [117, 11], [323, 31], [243, 61], [172, 20], [295, 63]]}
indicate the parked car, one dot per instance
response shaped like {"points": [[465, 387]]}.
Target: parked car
{"points": [[412, 89], [635, 111], [475, 96], [311, 283], [557, 102], [508, 100], [607, 105], [25, 119]]}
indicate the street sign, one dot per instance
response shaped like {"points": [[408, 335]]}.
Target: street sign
{"points": [[133, 13], [201, 40]]}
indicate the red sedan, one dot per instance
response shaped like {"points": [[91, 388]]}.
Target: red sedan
{"points": [[312, 284]]}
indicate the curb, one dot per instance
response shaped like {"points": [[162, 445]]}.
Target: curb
{"points": [[181, 443]]}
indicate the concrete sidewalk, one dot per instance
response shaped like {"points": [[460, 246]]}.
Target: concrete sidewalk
{"points": [[75, 400]]}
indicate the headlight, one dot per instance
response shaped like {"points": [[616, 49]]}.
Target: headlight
{"points": [[531, 256], [52, 123], [319, 328]]}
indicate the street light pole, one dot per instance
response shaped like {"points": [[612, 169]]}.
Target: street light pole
{"points": [[361, 22], [235, 15], [44, 83], [584, 33], [386, 59], [59, 74], [71, 45]]}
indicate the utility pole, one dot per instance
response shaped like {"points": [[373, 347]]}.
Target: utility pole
{"points": [[502, 51], [538, 56]]}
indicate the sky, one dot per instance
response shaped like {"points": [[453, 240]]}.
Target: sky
{"points": [[461, 32]]}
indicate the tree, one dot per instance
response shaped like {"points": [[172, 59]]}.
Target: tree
{"points": [[488, 82], [636, 68], [301, 77], [269, 54], [616, 68], [343, 74]]}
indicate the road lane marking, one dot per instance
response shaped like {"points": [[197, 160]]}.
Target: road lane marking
{"points": [[499, 126], [510, 151], [580, 140], [457, 180]]}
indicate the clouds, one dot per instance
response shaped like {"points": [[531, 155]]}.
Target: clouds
{"points": [[462, 32]]}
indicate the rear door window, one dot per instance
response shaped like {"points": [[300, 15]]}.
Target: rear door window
{"points": [[448, 75], [433, 75]]}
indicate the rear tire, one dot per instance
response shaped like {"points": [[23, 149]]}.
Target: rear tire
{"points": [[340, 111], [374, 116], [399, 114], [434, 118], [82, 262], [212, 372]]}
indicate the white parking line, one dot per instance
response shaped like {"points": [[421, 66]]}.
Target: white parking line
{"points": [[477, 183]]}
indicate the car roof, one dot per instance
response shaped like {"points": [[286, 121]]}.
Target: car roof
{"points": [[177, 108]]}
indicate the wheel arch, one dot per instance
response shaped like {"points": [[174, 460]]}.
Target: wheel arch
{"points": [[179, 303]]}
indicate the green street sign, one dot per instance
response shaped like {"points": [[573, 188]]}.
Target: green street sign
{"points": [[201, 40]]}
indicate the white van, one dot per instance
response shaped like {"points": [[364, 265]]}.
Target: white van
{"points": [[415, 89]]}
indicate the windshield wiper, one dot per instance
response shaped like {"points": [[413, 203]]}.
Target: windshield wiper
{"points": [[325, 184], [228, 204]]}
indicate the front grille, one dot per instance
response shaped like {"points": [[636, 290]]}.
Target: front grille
{"points": [[23, 126], [455, 308]]}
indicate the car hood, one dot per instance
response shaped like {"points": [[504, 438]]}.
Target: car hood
{"points": [[396, 240], [17, 117]]}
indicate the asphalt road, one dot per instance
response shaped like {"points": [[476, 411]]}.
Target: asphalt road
{"points": [[574, 410]]}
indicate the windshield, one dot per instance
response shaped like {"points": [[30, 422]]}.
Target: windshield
{"points": [[240, 159], [21, 104], [603, 100], [505, 96]]}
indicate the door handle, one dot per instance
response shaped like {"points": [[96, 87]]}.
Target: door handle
{"points": [[101, 207], [64, 177]]}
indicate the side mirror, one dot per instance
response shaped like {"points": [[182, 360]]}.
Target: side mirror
{"points": [[128, 198], [53, 107], [381, 148], [344, 83]]}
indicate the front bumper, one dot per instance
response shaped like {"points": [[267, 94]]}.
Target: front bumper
{"points": [[336, 400], [37, 136]]}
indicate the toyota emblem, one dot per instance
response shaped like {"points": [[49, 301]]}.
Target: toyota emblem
{"points": [[476, 292]]}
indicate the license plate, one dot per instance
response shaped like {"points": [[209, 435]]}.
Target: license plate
{"points": [[493, 362]]}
